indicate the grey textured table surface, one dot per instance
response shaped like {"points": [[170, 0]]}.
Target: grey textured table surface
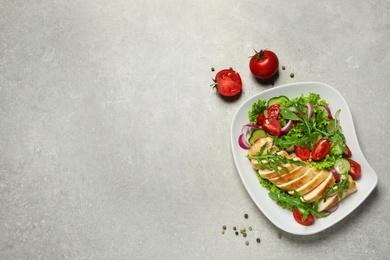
{"points": [[113, 145]]}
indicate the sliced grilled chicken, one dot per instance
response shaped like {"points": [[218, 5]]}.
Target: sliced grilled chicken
{"points": [[320, 190], [312, 184], [287, 177], [300, 181], [271, 174], [332, 200], [256, 147], [307, 181]]}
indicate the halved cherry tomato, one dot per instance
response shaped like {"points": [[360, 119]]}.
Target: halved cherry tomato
{"points": [[298, 218], [320, 149], [355, 170], [264, 64], [272, 126], [302, 152], [260, 119], [273, 111], [228, 82], [348, 154]]}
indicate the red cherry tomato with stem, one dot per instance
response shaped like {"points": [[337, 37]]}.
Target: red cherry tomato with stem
{"points": [[320, 149], [302, 152], [298, 218], [272, 126], [264, 64], [228, 82], [355, 170]]}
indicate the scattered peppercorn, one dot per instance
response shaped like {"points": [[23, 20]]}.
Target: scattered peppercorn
{"points": [[245, 215], [243, 230], [246, 242], [234, 228], [250, 228], [244, 234], [236, 233], [292, 75], [231, 68], [224, 227], [283, 67], [223, 232], [258, 240], [212, 69]]}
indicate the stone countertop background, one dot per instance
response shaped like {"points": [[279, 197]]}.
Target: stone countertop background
{"points": [[113, 145]]}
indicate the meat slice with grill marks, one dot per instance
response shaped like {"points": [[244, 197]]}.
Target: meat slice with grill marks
{"points": [[312, 184]]}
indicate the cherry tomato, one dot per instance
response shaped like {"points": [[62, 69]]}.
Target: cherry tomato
{"points": [[228, 82], [302, 152], [298, 218], [264, 64], [260, 119], [348, 154], [272, 126], [355, 170], [273, 111], [320, 149]]}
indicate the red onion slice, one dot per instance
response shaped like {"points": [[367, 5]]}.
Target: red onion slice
{"points": [[244, 144], [290, 149], [292, 108], [336, 175], [310, 108], [246, 132], [248, 127], [333, 208], [287, 127], [327, 110]]}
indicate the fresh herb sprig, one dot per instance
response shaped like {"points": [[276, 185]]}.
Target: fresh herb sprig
{"points": [[339, 188], [334, 134], [309, 137], [304, 207], [274, 160], [311, 133]]}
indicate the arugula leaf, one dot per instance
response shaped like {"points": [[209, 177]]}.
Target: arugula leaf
{"points": [[274, 160], [307, 141], [288, 114], [299, 203], [339, 188], [274, 189]]}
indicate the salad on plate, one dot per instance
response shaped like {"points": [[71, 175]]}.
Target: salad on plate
{"points": [[300, 155]]}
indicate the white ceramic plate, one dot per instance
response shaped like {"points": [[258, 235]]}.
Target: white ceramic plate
{"points": [[283, 218]]}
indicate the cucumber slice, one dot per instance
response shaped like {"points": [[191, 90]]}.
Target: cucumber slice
{"points": [[257, 134], [277, 100], [342, 166]]}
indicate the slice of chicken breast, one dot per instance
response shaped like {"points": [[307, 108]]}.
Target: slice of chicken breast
{"points": [[332, 200], [298, 182], [292, 175], [320, 190], [320, 176], [270, 174], [256, 147]]}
